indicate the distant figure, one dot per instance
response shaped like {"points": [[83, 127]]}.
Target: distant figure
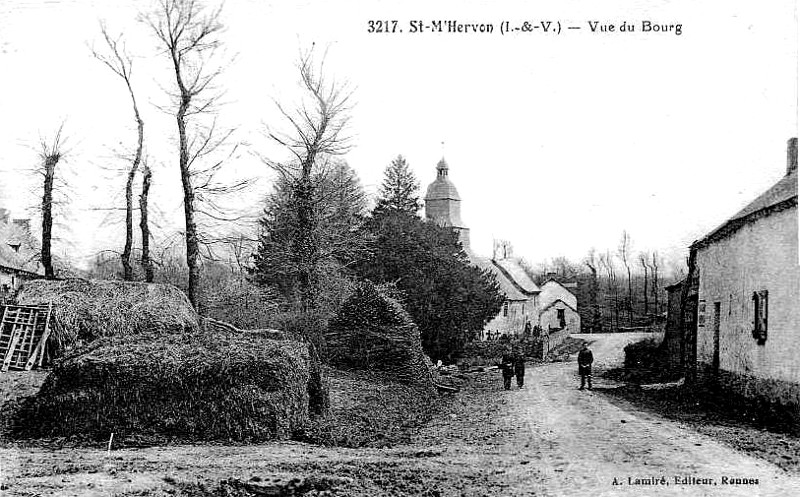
{"points": [[519, 367], [507, 367], [585, 360], [528, 329]]}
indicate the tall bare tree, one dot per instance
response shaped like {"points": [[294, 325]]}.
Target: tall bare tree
{"points": [[189, 35], [50, 154], [655, 262], [625, 254], [643, 261], [116, 58], [591, 262], [144, 226], [317, 134]]}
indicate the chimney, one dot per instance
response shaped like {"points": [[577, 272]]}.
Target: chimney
{"points": [[791, 156]]}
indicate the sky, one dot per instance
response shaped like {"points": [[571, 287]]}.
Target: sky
{"points": [[556, 142]]}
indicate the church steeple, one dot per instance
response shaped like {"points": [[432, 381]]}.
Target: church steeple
{"points": [[443, 205], [442, 168]]}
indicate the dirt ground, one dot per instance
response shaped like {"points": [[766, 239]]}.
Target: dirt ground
{"points": [[546, 439]]}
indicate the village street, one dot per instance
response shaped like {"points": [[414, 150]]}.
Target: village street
{"points": [[547, 439]]}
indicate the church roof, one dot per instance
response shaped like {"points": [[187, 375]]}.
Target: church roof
{"points": [[442, 188], [507, 275]]}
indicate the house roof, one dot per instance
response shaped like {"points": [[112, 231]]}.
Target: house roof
{"points": [[551, 304], [566, 286], [513, 281], [24, 259], [782, 195]]}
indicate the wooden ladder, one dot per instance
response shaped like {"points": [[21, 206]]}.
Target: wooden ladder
{"points": [[24, 331]]}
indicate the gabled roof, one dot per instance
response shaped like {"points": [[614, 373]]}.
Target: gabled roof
{"points": [[551, 304], [782, 195], [566, 286], [513, 281]]}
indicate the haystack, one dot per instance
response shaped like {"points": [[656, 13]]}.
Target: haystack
{"points": [[88, 310], [373, 331], [187, 387]]}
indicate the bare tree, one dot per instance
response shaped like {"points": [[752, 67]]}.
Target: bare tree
{"points": [[625, 254], [317, 135], [503, 249], [643, 262], [655, 263], [591, 262], [144, 226], [606, 261], [121, 63], [189, 35], [50, 155]]}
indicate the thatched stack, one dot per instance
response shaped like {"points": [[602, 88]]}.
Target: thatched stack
{"points": [[373, 331], [88, 310], [187, 387]]}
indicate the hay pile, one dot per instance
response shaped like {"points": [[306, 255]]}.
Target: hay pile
{"points": [[88, 310], [176, 387], [373, 331]]}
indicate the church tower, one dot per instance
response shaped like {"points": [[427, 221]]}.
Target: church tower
{"points": [[443, 205]]}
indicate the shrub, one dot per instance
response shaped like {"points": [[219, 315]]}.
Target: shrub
{"points": [[372, 331]]}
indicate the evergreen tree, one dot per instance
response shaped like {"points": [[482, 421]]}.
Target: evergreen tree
{"points": [[449, 299], [339, 205], [399, 190]]}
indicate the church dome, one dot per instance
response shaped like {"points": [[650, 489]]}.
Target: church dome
{"points": [[442, 188]]}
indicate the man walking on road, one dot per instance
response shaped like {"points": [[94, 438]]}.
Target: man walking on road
{"points": [[585, 360]]}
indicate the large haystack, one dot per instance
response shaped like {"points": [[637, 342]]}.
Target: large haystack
{"points": [[373, 331], [186, 387], [87, 310]]}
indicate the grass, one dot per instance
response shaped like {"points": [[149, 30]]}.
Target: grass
{"points": [[369, 409]]}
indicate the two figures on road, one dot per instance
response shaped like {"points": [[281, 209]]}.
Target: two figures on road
{"points": [[585, 360], [513, 365]]}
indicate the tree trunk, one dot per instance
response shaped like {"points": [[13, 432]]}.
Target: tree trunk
{"points": [[47, 216], [192, 244], [147, 264], [646, 306], [127, 268]]}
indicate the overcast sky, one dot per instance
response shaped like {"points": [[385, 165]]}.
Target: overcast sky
{"points": [[556, 142]]}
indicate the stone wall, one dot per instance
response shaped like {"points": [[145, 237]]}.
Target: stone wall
{"points": [[761, 255]]}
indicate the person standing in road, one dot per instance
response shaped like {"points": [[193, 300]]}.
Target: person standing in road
{"points": [[507, 367], [519, 367], [585, 360]]}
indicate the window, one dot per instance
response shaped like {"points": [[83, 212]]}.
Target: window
{"points": [[562, 320], [760, 308], [505, 309]]}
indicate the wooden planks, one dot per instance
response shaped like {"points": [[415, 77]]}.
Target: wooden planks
{"points": [[24, 331]]}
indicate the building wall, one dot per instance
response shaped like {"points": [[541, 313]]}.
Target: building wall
{"points": [[762, 255], [549, 319], [519, 312]]}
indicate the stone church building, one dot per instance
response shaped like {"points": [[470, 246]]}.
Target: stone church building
{"points": [[523, 298]]}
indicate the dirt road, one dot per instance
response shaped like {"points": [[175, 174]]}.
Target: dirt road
{"points": [[548, 439]]}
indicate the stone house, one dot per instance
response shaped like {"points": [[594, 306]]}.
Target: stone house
{"points": [[748, 296], [522, 304], [559, 307]]}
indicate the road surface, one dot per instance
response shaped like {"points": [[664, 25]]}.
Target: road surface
{"points": [[547, 439]]}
